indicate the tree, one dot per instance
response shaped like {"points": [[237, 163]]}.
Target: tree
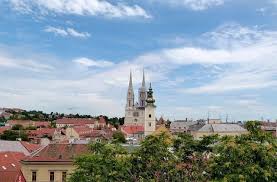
{"points": [[31, 128], [160, 158], [3, 119], [249, 157], [105, 163], [14, 135], [119, 137], [193, 155], [153, 161], [17, 127]]}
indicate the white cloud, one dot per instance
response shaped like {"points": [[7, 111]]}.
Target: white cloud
{"points": [[74, 33], [92, 63], [246, 57], [66, 32], [56, 31], [7, 61], [253, 58], [195, 5], [80, 7]]}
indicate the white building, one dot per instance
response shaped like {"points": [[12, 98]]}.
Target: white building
{"points": [[142, 112]]}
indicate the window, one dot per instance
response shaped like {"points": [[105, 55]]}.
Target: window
{"points": [[150, 116], [149, 124], [52, 176], [64, 177], [136, 114], [34, 176]]}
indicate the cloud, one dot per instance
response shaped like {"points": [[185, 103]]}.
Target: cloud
{"points": [[244, 59], [253, 59], [246, 55], [92, 63], [195, 5], [79, 7], [66, 32], [7, 61]]}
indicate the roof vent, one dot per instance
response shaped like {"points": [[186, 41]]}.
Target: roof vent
{"points": [[13, 164], [6, 155], [4, 167]]}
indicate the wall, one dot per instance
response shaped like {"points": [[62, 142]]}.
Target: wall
{"points": [[43, 171], [148, 130], [197, 134]]}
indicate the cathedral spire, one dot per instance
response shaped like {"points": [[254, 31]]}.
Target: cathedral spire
{"points": [[130, 81], [143, 80], [130, 94]]}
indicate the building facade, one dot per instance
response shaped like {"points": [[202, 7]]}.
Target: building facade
{"points": [[53, 163], [142, 112], [134, 111]]}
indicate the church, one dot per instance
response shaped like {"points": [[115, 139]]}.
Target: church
{"points": [[142, 112]]}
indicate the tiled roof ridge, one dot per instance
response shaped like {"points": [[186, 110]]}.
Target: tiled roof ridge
{"points": [[34, 153]]}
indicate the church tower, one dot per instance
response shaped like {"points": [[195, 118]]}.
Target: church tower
{"points": [[130, 94], [130, 103], [142, 93], [150, 118]]}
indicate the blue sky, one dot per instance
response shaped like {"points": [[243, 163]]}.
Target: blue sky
{"points": [[74, 56]]}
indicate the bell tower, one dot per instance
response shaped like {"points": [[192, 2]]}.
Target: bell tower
{"points": [[150, 117]]}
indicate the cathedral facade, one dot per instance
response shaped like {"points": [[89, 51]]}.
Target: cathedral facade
{"points": [[141, 112]]}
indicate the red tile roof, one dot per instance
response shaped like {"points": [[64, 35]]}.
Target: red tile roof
{"points": [[86, 132], [42, 132], [41, 124], [10, 168], [57, 153], [76, 121], [132, 129], [30, 146], [81, 130], [4, 128], [27, 123]]}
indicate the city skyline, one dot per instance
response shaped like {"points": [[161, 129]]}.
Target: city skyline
{"points": [[216, 56]]}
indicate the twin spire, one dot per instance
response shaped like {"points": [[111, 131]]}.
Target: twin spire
{"points": [[145, 97], [131, 81]]}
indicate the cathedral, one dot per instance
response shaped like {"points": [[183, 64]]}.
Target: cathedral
{"points": [[142, 112]]}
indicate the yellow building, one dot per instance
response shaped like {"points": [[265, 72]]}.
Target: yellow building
{"points": [[53, 163]]}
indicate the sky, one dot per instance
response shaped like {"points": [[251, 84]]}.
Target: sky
{"points": [[201, 56]]}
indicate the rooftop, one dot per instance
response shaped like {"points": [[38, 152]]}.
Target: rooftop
{"points": [[76, 121], [10, 166], [132, 129], [222, 127], [14, 146], [57, 153]]}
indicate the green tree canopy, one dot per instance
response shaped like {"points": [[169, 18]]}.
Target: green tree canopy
{"points": [[105, 163], [160, 158], [13, 135], [17, 127], [118, 137], [249, 157]]}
